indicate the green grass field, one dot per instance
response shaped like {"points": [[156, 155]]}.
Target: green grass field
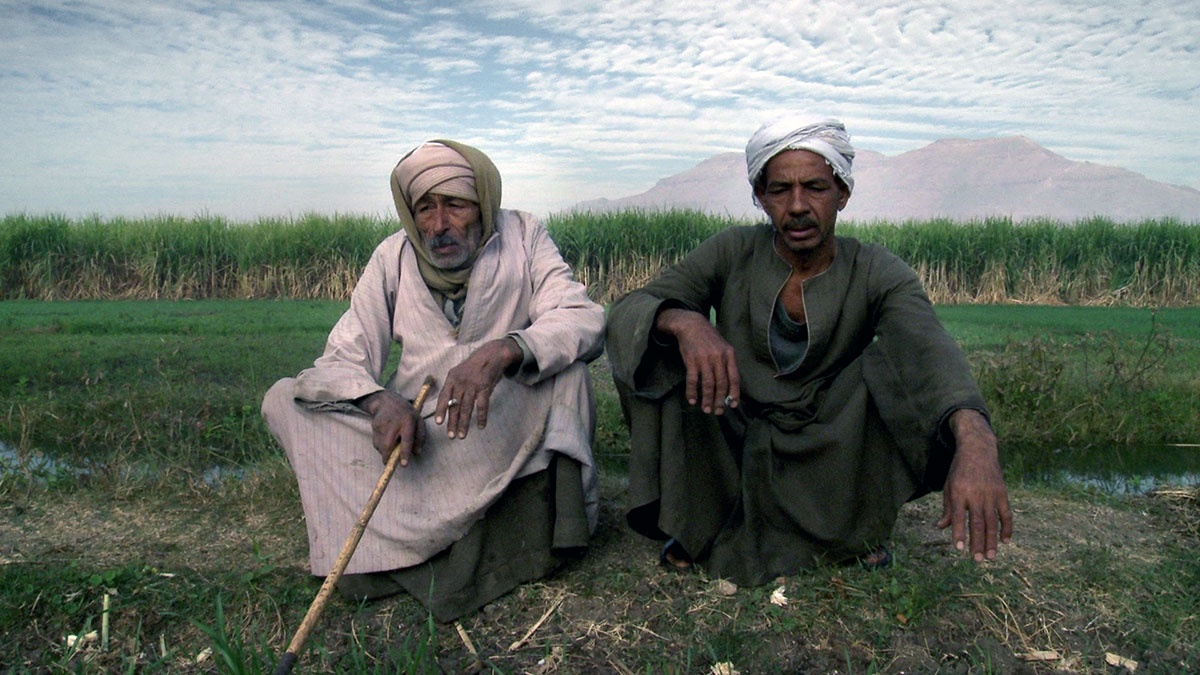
{"points": [[134, 466], [116, 413], [177, 384]]}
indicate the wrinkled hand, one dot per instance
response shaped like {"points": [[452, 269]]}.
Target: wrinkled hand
{"points": [[712, 372], [975, 499], [395, 425], [470, 384]]}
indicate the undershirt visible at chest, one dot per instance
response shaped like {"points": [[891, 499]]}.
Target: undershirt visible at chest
{"points": [[789, 339]]}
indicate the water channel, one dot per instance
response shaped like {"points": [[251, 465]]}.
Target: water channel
{"points": [[44, 468], [1116, 471]]}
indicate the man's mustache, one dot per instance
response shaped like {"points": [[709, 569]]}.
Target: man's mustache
{"points": [[442, 240], [800, 223]]}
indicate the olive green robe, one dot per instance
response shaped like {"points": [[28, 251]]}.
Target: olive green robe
{"points": [[815, 463]]}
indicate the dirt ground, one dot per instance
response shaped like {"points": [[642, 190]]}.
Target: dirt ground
{"points": [[615, 610]]}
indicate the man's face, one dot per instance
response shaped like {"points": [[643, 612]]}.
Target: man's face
{"points": [[802, 197], [450, 227]]}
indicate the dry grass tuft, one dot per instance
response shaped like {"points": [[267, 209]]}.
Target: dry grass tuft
{"points": [[1185, 506]]}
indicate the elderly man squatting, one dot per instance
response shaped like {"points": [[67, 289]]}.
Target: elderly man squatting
{"points": [[826, 395], [479, 297]]}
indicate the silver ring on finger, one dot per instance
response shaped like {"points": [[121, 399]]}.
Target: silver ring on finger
{"points": [[451, 403]]}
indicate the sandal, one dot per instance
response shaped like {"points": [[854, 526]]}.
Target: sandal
{"points": [[674, 557], [878, 558]]}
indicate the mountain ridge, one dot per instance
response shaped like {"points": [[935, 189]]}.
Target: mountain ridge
{"points": [[1005, 176]]}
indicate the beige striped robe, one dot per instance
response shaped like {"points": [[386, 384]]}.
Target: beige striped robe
{"points": [[519, 285]]}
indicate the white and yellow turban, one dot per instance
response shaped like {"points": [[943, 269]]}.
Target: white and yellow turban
{"points": [[438, 168], [451, 169], [826, 137]]}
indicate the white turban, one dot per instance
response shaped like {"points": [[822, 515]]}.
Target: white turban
{"points": [[826, 137]]}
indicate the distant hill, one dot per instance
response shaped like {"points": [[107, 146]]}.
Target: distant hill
{"points": [[959, 179]]}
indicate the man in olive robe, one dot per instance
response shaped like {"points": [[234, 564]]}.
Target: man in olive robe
{"points": [[826, 394]]}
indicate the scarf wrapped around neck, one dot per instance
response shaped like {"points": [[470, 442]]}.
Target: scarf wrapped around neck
{"points": [[455, 170]]}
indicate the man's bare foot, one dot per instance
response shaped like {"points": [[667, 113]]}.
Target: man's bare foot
{"points": [[674, 556]]}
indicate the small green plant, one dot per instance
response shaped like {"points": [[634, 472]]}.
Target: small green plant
{"points": [[415, 655], [232, 655]]}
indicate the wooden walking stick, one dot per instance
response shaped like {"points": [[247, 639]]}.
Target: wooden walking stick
{"points": [[288, 660]]}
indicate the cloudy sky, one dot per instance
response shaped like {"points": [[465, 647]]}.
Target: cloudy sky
{"points": [[276, 108]]}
